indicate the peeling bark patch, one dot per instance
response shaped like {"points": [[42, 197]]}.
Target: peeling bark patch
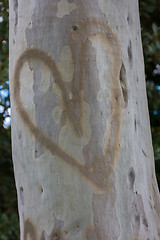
{"points": [[74, 107], [138, 214], [123, 83], [100, 96], [30, 231], [66, 64], [57, 233], [155, 198], [104, 213], [74, 232], [130, 54], [131, 178], [44, 80], [57, 113], [90, 234], [65, 8], [16, 15]]}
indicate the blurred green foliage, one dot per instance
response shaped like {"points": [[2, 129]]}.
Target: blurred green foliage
{"points": [[150, 20]]}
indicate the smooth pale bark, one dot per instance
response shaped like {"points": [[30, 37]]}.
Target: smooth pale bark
{"points": [[82, 149]]}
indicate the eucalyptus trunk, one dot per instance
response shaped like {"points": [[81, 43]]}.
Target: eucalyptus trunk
{"points": [[82, 149]]}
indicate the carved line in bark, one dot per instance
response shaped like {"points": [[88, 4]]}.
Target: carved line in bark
{"points": [[87, 29]]}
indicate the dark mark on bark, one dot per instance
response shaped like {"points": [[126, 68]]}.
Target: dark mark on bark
{"points": [[131, 178], [42, 237], [130, 53], [135, 219], [22, 195], [129, 20], [19, 135], [38, 151], [16, 15], [123, 83], [135, 124], [138, 214], [137, 210], [56, 236], [74, 28], [144, 153], [41, 188], [145, 222]]}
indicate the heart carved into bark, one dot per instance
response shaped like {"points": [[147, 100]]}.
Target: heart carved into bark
{"points": [[102, 167]]}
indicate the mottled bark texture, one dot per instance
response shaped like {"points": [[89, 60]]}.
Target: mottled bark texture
{"points": [[82, 148]]}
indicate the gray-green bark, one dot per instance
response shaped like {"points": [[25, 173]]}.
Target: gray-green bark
{"points": [[82, 148]]}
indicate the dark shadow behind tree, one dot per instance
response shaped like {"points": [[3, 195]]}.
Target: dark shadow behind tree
{"points": [[150, 23], [9, 226], [150, 20]]}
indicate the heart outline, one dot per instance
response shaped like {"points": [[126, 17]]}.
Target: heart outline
{"points": [[99, 180]]}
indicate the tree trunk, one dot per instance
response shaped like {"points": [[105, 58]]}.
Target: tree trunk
{"points": [[82, 149]]}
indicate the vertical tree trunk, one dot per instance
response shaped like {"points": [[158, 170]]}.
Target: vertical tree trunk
{"points": [[82, 148]]}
